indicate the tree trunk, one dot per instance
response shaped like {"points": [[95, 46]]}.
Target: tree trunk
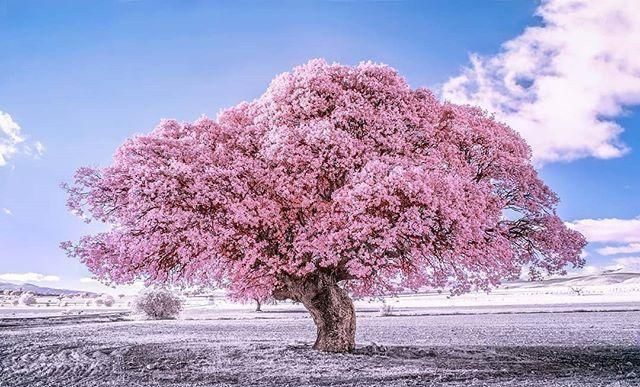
{"points": [[258, 305], [332, 311], [331, 308]]}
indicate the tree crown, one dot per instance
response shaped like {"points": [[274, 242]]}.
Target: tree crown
{"points": [[344, 171]]}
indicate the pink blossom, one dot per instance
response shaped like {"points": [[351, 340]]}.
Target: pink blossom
{"points": [[344, 170]]}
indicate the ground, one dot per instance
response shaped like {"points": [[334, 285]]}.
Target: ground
{"points": [[414, 348]]}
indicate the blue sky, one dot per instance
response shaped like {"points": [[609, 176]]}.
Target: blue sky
{"points": [[78, 78]]}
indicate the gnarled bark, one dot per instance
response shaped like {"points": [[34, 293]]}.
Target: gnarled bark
{"points": [[331, 308]]}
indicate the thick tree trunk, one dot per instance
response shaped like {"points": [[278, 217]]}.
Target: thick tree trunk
{"points": [[258, 305], [331, 308], [332, 311]]}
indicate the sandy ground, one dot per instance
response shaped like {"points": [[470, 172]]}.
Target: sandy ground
{"points": [[273, 349]]}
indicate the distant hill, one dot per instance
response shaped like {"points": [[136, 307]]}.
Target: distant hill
{"points": [[605, 278], [39, 289]]}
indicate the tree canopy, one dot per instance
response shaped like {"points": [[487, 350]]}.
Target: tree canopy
{"points": [[339, 170]]}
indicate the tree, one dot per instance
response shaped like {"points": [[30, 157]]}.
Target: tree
{"points": [[338, 180], [240, 293]]}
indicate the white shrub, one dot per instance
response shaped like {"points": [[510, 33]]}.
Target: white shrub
{"points": [[27, 299], [106, 300], [158, 304], [386, 310]]}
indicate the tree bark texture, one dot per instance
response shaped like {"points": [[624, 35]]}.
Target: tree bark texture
{"points": [[331, 308]]}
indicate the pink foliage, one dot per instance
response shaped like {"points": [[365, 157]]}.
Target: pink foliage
{"points": [[344, 170]]}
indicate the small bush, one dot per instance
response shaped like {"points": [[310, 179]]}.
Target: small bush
{"points": [[158, 304], [27, 299], [386, 310], [106, 300]]}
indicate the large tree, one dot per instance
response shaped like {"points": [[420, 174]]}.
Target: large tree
{"points": [[338, 180]]}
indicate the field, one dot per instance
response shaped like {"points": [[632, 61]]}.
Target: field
{"points": [[415, 347]]}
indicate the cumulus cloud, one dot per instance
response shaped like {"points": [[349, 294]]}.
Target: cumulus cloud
{"points": [[562, 84], [625, 249], [608, 229], [12, 141], [28, 277]]}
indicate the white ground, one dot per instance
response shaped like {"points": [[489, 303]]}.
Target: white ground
{"points": [[243, 348], [520, 335]]}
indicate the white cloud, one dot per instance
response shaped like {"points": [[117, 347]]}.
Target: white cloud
{"points": [[608, 230], [28, 277], [93, 285], [12, 141], [625, 249], [627, 264], [10, 137], [39, 148], [561, 84], [7, 211]]}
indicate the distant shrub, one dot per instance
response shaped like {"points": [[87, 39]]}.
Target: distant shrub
{"points": [[158, 304], [106, 300], [27, 299], [15, 302], [386, 310]]}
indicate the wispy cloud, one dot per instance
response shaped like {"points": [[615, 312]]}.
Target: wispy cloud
{"points": [[39, 147], [28, 277], [10, 137], [12, 140], [608, 230], [562, 84], [625, 249], [7, 211]]}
